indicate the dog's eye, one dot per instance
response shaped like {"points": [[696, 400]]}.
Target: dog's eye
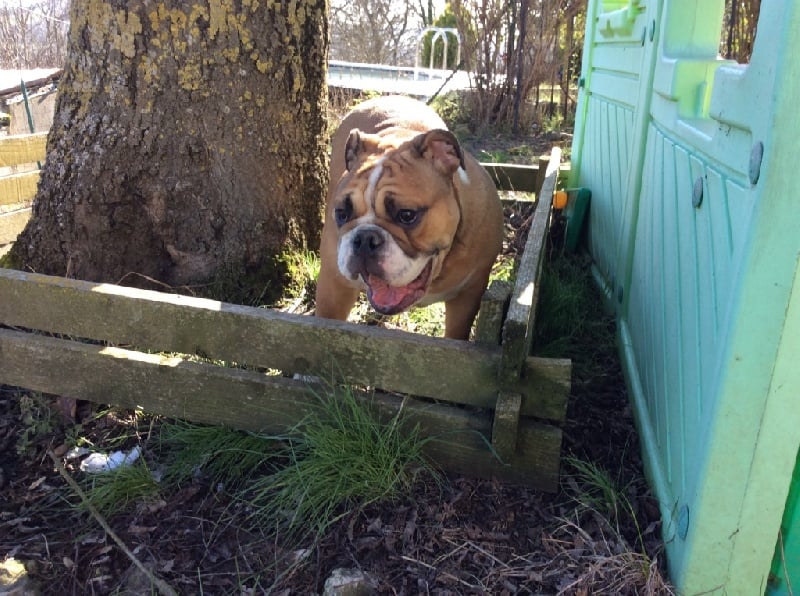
{"points": [[407, 217], [343, 214]]}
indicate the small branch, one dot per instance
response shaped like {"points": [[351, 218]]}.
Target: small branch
{"points": [[163, 587], [167, 287]]}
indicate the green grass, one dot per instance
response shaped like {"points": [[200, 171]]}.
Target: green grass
{"points": [[504, 269], [342, 458], [38, 420], [626, 568], [571, 321], [519, 154], [452, 108], [493, 156], [426, 320], [301, 278], [120, 489], [226, 458], [598, 490]]}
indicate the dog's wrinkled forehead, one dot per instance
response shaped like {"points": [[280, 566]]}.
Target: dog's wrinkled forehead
{"points": [[439, 146], [376, 171], [387, 179]]}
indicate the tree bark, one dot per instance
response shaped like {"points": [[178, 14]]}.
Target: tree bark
{"points": [[188, 140]]}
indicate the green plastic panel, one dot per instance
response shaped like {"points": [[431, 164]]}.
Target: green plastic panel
{"points": [[694, 230], [786, 563], [575, 212]]}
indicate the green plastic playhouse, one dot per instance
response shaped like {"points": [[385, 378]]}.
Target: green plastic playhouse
{"points": [[694, 233]]}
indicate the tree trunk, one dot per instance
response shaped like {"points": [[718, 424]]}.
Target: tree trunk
{"points": [[188, 140]]}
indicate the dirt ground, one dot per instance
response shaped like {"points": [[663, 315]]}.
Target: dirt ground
{"points": [[459, 536]]}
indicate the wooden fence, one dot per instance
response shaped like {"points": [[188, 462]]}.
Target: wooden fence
{"points": [[489, 408], [19, 174]]}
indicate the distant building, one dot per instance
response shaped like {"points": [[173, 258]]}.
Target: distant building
{"points": [[40, 85]]}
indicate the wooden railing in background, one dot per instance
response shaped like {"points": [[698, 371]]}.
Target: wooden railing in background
{"points": [[20, 159]]}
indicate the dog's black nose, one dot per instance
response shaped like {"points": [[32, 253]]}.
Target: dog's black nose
{"points": [[367, 242]]}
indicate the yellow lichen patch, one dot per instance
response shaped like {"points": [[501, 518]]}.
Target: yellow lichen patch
{"points": [[189, 76], [178, 21], [231, 54], [296, 16], [245, 35], [298, 80], [155, 21], [263, 65], [147, 69], [129, 26], [218, 11], [224, 18], [106, 25]]}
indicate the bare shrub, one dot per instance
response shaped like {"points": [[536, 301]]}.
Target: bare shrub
{"points": [[34, 35]]}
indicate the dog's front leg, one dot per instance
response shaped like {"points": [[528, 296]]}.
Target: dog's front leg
{"points": [[335, 297], [460, 313]]}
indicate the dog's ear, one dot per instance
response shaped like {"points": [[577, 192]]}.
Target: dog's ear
{"points": [[352, 148], [442, 147]]}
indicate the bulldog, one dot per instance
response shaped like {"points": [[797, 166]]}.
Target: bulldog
{"points": [[410, 218]]}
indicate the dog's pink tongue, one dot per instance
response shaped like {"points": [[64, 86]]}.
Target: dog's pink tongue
{"points": [[387, 298]]}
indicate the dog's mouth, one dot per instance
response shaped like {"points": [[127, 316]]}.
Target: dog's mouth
{"points": [[390, 300]]}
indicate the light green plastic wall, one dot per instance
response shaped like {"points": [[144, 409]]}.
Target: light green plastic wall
{"points": [[694, 230]]}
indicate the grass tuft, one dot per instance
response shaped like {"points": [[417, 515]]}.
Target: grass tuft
{"points": [[571, 322], [118, 490], [302, 268], [612, 562], [343, 457], [227, 458], [595, 489], [425, 320], [340, 458], [504, 269]]}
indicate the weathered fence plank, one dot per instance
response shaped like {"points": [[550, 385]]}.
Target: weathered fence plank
{"points": [[22, 149], [505, 427], [521, 178], [387, 359], [518, 328], [494, 303], [12, 223], [251, 400], [18, 188]]}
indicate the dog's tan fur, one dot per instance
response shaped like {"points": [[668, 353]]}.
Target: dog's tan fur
{"points": [[393, 160]]}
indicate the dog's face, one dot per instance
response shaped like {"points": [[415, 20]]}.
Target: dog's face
{"points": [[397, 212]]}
